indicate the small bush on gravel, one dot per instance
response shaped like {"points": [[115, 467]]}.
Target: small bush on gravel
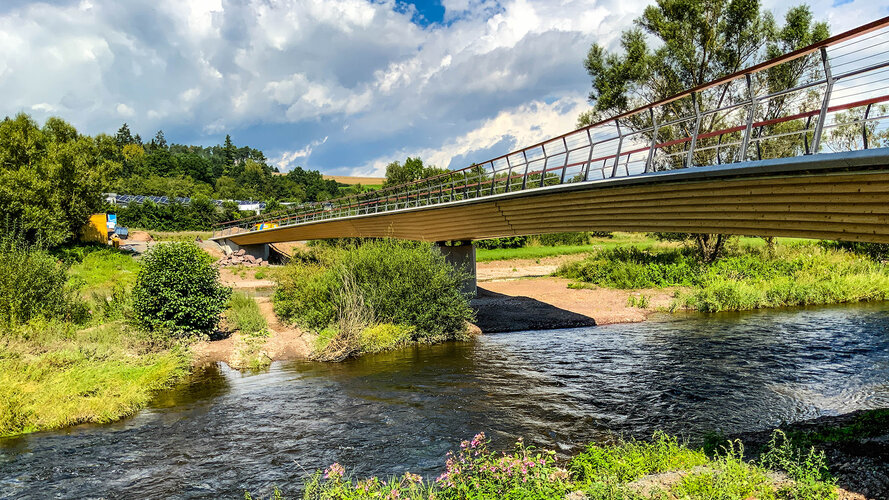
{"points": [[178, 291], [400, 283]]}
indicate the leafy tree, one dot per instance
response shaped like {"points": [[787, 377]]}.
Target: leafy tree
{"points": [[51, 178], [177, 290], [411, 170], [680, 44]]}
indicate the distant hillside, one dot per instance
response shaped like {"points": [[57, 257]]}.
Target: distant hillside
{"points": [[352, 180]]}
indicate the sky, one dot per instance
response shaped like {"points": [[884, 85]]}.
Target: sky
{"points": [[341, 86]]}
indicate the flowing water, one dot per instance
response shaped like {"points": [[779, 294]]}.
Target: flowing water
{"points": [[223, 432]]}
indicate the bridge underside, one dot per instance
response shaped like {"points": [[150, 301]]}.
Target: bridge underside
{"points": [[843, 198]]}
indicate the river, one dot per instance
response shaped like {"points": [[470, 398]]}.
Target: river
{"points": [[222, 432]]}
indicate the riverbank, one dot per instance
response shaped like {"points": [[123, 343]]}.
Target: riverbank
{"points": [[843, 457], [856, 448]]}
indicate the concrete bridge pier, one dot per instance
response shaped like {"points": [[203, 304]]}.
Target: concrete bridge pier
{"points": [[258, 250], [461, 254]]}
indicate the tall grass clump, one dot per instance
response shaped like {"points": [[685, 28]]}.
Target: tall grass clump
{"points": [[33, 283], [746, 278], [245, 317], [632, 267], [342, 292]]}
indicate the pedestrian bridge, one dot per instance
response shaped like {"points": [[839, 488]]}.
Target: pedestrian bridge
{"points": [[753, 153]]}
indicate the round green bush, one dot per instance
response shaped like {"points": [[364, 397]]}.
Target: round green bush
{"points": [[178, 290]]}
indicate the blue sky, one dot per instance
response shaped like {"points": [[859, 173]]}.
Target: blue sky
{"points": [[343, 86]]}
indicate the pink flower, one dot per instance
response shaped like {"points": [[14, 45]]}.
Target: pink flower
{"points": [[335, 471]]}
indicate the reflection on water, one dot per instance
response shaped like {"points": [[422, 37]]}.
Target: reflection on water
{"points": [[224, 432]]}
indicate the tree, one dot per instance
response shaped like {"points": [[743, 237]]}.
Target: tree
{"points": [[695, 42], [159, 141], [412, 170], [124, 137], [51, 178], [229, 152]]}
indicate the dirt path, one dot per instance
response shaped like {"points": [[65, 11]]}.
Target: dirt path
{"points": [[284, 343], [497, 270]]}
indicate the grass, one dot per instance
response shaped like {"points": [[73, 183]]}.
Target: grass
{"points": [[103, 269], [749, 277], [62, 370], [537, 251], [243, 315], [662, 468], [177, 235], [867, 424], [53, 375]]}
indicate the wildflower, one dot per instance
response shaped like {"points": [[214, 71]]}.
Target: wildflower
{"points": [[412, 478], [559, 475], [478, 439], [335, 471]]}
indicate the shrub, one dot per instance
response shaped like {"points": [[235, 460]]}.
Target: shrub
{"points": [[635, 268], [178, 290], [348, 290], [507, 242], [32, 282], [558, 239]]}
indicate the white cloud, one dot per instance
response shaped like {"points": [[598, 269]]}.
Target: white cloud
{"points": [[514, 125], [360, 72], [124, 110], [286, 159]]}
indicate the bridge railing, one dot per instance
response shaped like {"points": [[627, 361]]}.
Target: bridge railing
{"points": [[829, 96]]}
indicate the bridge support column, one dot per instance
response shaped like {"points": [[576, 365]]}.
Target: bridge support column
{"points": [[462, 256], [259, 250]]}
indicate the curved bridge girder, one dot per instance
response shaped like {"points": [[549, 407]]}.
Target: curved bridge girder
{"points": [[842, 196]]}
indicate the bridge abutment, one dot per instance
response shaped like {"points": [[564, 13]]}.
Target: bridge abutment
{"points": [[461, 254], [259, 250]]}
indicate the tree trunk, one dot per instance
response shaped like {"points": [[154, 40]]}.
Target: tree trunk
{"points": [[710, 246]]}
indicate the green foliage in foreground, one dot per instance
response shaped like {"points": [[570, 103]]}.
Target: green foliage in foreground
{"points": [[750, 278], [32, 282], [178, 290], [341, 292], [619, 471], [53, 375]]}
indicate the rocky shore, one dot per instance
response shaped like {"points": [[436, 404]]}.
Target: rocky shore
{"points": [[856, 446]]}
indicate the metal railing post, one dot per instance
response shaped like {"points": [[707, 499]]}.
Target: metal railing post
{"points": [[508, 173], [750, 111], [864, 125], [689, 160], [545, 162], [822, 116], [565, 165], [589, 160], [525, 175], [649, 165], [620, 143]]}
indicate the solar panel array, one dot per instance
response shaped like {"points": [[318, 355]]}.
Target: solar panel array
{"points": [[126, 199]]}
